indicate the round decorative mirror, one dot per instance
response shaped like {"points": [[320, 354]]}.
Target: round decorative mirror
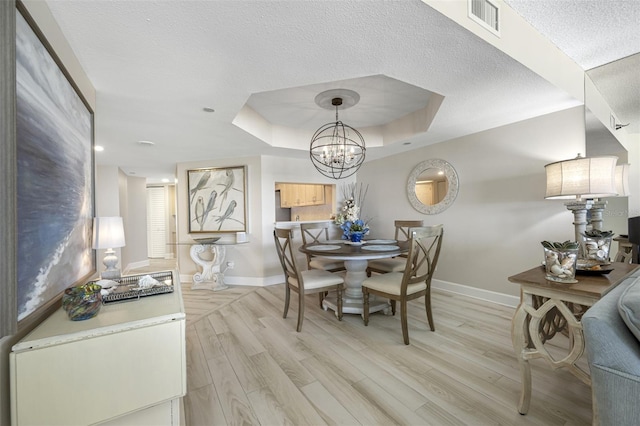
{"points": [[432, 186]]}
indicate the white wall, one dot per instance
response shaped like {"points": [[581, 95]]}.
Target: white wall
{"points": [[634, 174], [494, 228], [134, 214], [120, 195]]}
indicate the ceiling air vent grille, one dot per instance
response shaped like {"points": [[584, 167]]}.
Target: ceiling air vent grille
{"points": [[486, 13]]}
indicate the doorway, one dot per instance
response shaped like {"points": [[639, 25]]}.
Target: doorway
{"points": [[161, 222]]}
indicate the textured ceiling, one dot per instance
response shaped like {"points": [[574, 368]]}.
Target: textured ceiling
{"points": [[603, 37], [156, 64]]}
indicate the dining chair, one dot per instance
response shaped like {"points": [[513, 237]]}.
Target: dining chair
{"points": [[318, 232], [424, 250], [303, 282], [399, 263]]}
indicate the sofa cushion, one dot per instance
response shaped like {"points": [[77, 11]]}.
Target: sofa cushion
{"points": [[629, 308]]}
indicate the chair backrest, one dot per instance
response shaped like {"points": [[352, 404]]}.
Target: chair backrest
{"points": [[403, 226], [424, 251], [282, 238], [314, 232]]}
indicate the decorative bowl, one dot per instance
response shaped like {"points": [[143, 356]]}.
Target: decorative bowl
{"points": [[82, 302]]}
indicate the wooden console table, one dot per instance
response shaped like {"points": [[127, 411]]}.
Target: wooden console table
{"points": [[547, 308], [125, 366]]}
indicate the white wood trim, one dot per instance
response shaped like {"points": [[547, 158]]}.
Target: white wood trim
{"points": [[136, 265], [244, 281], [476, 293]]}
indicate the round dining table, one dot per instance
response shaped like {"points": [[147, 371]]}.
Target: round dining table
{"points": [[356, 258]]}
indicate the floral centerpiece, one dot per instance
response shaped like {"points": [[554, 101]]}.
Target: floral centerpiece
{"points": [[348, 218]]}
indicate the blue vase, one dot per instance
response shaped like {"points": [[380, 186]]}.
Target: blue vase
{"points": [[356, 237]]}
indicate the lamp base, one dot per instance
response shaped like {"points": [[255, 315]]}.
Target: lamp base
{"points": [[110, 261], [111, 274]]}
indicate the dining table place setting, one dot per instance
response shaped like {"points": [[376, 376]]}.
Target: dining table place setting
{"points": [[323, 247], [381, 247]]}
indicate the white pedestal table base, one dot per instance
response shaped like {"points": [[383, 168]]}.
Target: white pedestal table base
{"points": [[352, 300], [211, 277]]}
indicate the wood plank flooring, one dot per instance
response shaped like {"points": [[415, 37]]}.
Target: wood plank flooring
{"points": [[248, 365]]}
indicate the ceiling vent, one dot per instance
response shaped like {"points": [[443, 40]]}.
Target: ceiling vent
{"points": [[486, 13]]}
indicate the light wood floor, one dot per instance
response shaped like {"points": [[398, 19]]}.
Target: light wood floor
{"points": [[247, 365]]}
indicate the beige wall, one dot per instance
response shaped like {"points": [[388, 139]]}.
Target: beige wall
{"points": [[495, 226], [493, 229], [247, 257]]}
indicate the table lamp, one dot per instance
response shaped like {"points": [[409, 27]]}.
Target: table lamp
{"points": [[108, 233], [583, 180], [622, 180]]}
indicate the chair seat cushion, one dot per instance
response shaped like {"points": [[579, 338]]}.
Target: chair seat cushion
{"points": [[315, 278], [395, 264], [391, 283], [629, 307], [326, 264]]}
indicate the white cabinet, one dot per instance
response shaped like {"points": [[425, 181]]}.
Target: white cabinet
{"points": [[129, 360]]}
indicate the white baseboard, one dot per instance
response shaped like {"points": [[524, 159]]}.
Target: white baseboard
{"points": [[255, 281], [476, 293], [134, 265], [244, 281]]}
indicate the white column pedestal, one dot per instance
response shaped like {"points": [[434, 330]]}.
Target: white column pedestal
{"points": [[211, 277]]}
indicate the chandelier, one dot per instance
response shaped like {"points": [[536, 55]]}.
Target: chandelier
{"points": [[337, 150]]}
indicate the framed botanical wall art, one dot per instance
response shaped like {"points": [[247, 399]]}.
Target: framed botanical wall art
{"points": [[217, 199], [55, 189]]}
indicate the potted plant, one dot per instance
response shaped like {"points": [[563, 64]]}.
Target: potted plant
{"points": [[355, 230]]}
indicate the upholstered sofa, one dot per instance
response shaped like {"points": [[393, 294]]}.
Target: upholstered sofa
{"points": [[612, 338]]}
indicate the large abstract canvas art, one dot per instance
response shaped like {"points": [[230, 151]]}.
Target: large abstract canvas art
{"points": [[217, 199], [55, 175]]}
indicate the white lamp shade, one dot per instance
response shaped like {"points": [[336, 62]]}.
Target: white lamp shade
{"points": [[108, 232], [622, 180], [590, 177]]}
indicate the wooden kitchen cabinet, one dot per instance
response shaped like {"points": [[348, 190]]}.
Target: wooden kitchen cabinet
{"points": [[301, 194], [315, 194], [127, 365]]}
